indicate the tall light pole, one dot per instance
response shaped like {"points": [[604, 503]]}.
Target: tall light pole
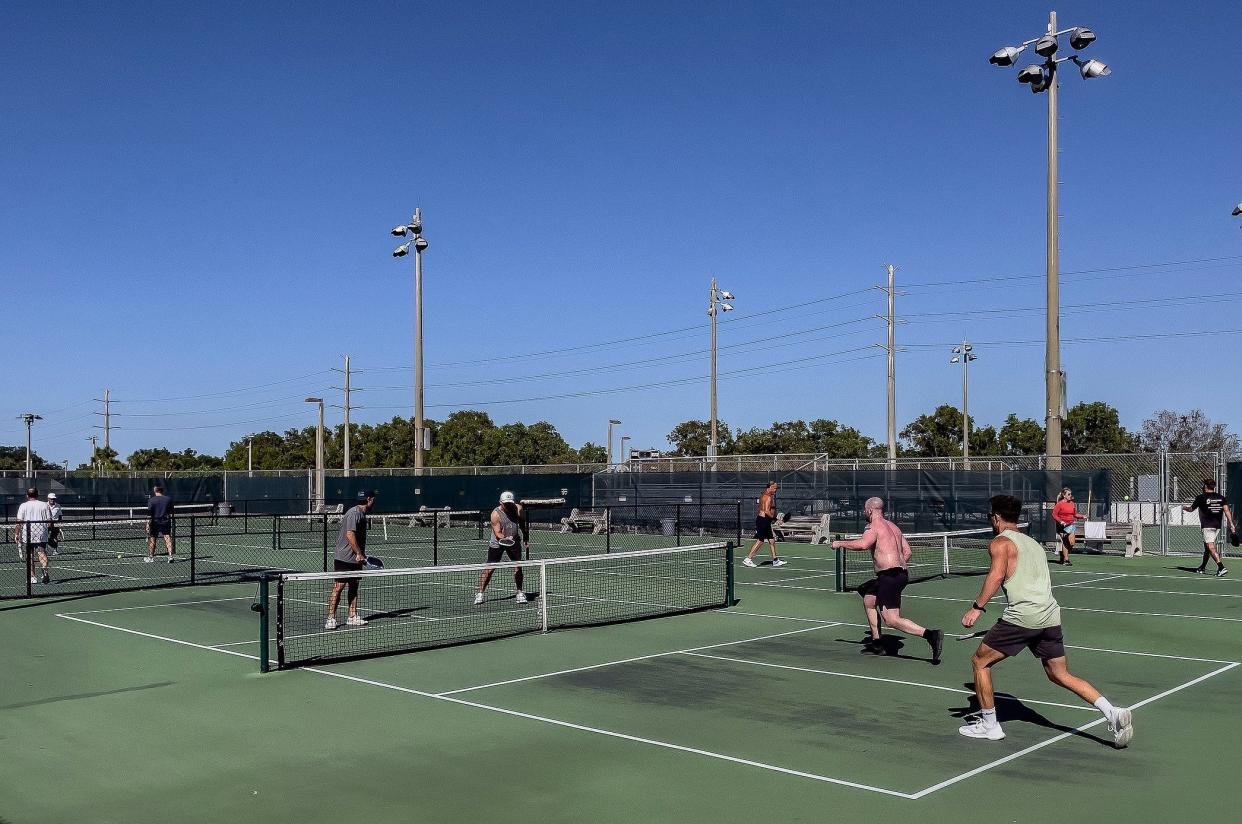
{"points": [[962, 354], [716, 304], [1042, 77], [94, 439], [319, 485], [622, 457], [415, 230], [250, 456], [611, 422], [29, 418]]}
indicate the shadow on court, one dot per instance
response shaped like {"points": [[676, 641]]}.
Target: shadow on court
{"points": [[1010, 708]]}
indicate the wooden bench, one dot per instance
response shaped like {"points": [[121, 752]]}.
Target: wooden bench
{"points": [[1096, 535], [331, 510], [813, 528], [580, 520]]}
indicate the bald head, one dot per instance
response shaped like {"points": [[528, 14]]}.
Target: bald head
{"points": [[873, 503]]}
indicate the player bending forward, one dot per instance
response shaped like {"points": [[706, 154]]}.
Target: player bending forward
{"points": [[890, 552], [1031, 620]]}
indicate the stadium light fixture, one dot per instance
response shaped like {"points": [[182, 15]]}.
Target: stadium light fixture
{"points": [[716, 298], [415, 230], [1237, 210], [1042, 77]]}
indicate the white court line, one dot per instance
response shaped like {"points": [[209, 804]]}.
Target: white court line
{"points": [[972, 773], [805, 577], [635, 658], [956, 690], [1090, 581], [1163, 591], [156, 606], [529, 716], [95, 572]]}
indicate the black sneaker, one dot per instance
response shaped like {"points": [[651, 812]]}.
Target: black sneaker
{"points": [[46, 579], [1067, 562], [873, 647], [1201, 571], [935, 638]]}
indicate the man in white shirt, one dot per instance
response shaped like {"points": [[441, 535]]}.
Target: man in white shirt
{"points": [[34, 526]]}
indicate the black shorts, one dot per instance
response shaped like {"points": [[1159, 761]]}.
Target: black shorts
{"points": [[886, 586], [1009, 639], [1064, 529], [763, 528], [496, 553], [347, 566], [159, 528]]}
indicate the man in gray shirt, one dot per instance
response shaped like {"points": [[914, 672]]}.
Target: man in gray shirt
{"points": [[350, 555]]}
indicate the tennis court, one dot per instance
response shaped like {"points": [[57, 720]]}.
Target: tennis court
{"points": [[149, 705]]}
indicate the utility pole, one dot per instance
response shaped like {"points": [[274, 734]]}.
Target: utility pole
{"points": [[1052, 351], [891, 349], [611, 423], [963, 353], [29, 418], [415, 230], [107, 402], [346, 464]]}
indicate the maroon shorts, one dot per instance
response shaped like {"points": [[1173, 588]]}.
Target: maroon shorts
{"points": [[1010, 639]]}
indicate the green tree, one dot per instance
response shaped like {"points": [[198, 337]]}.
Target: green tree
{"points": [[14, 457], [592, 453], [1191, 431], [985, 440], [837, 440], [936, 435], [538, 443], [1021, 436], [466, 438], [691, 438], [161, 459], [1095, 428], [781, 437]]}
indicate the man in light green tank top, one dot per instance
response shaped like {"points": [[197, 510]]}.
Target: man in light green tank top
{"points": [[1031, 620]]}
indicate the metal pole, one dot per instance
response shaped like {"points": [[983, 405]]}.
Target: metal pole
{"points": [[319, 485], [250, 457], [965, 404], [29, 462], [346, 463], [107, 419], [892, 374], [1052, 356], [418, 347], [711, 449]]}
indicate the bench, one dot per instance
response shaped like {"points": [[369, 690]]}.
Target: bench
{"points": [[580, 520], [813, 528], [1096, 535], [428, 517]]}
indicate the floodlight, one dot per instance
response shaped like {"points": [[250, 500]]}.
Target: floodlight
{"points": [[1237, 210], [955, 359], [1006, 56], [1046, 46], [967, 347], [957, 350], [398, 231], [1033, 73], [726, 307], [1093, 68], [420, 244], [1081, 37], [402, 250], [726, 295], [314, 400]]}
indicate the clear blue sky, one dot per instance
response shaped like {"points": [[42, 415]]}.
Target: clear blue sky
{"points": [[195, 199]]}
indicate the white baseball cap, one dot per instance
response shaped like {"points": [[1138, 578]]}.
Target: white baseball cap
{"points": [[506, 497], [51, 496]]}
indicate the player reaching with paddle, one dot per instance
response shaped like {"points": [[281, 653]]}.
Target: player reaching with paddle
{"points": [[881, 596], [1031, 620], [507, 522]]}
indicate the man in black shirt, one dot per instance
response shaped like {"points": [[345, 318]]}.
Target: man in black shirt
{"points": [[160, 513], [1211, 505]]}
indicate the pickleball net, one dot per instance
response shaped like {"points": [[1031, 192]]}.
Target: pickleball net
{"points": [[426, 607], [932, 555]]}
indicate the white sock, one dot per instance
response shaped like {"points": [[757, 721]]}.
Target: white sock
{"points": [[989, 718], [1108, 709]]}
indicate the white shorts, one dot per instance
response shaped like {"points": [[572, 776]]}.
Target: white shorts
{"points": [[1210, 535]]}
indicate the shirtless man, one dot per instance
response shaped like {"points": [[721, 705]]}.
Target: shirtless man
{"points": [[890, 552], [764, 519]]}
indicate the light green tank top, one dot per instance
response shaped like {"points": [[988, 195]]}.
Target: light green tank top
{"points": [[1028, 590]]}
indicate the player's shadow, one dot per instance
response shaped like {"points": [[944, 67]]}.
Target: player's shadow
{"points": [[1191, 570], [1011, 708], [891, 646]]}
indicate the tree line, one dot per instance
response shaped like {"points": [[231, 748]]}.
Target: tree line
{"points": [[471, 438]]}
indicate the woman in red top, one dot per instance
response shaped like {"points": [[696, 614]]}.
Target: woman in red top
{"points": [[1063, 516]]}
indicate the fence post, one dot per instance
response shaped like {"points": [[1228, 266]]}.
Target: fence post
{"points": [[435, 538], [607, 529], [324, 523], [739, 523], [677, 525], [193, 546], [264, 656], [1164, 503]]}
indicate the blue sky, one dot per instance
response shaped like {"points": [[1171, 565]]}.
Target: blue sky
{"points": [[194, 205]]}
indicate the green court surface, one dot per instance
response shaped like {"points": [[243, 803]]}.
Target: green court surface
{"points": [[148, 706]]}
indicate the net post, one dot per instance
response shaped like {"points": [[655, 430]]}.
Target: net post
{"points": [[607, 529], [280, 622], [193, 545], [945, 543], [840, 577], [264, 655], [246, 517], [543, 596], [729, 583], [435, 540]]}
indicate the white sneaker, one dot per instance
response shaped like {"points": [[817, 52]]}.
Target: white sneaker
{"points": [[355, 621], [748, 562], [148, 560], [1122, 727], [1222, 572], [977, 729], [170, 560], [34, 580], [330, 623], [478, 598], [520, 597], [778, 562]]}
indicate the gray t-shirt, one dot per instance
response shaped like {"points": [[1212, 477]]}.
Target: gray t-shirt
{"points": [[355, 521]]}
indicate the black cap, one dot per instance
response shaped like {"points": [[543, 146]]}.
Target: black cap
{"points": [[366, 494]]}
